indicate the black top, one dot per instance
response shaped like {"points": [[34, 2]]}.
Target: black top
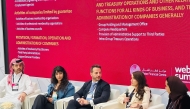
{"points": [[183, 102]]}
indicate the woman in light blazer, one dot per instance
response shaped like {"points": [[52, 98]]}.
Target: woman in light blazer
{"points": [[138, 94]]}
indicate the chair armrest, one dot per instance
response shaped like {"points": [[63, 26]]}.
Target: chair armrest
{"points": [[97, 106], [110, 105], [32, 97], [63, 103], [37, 91], [158, 106], [26, 104], [2, 94]]}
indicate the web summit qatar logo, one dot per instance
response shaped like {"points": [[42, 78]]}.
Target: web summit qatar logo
{"points": [[183, 73], [134, 68]]}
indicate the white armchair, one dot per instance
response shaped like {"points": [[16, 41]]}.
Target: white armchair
{"points": [[113, 95], [32, 98], [155, 104], [26, 101], [58, 104]]}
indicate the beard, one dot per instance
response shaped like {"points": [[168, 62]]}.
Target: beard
{"points": [[18, 70]]}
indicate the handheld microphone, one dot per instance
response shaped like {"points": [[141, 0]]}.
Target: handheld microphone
{"points": [[127, 93]]}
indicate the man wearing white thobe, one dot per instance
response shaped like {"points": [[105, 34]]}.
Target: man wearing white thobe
{"points": [[16, 85]]}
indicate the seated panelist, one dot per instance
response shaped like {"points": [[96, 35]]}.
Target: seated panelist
{"points": [[138, 94], [177, 90], [92, 92], [16, 85], [59, 88]]}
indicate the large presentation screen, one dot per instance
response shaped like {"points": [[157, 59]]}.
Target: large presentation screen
{"points": [[123, 36]]}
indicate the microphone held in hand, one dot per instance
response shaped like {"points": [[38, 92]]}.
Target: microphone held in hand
{"points": [[127, 93]]}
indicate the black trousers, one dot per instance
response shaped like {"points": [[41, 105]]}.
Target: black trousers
{"points": [[73, 104], [41, 102]]}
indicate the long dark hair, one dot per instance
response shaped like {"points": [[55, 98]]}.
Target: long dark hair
{"points": [[64, 81], [139, 76]]}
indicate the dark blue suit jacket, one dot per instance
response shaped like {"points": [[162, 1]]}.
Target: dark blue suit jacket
{"points": [[102, 92]]}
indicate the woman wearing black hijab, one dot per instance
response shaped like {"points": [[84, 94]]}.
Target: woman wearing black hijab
{"points": [[178, 97]]}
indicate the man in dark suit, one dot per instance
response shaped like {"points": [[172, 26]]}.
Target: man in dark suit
{"points": [[92, 92]]}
